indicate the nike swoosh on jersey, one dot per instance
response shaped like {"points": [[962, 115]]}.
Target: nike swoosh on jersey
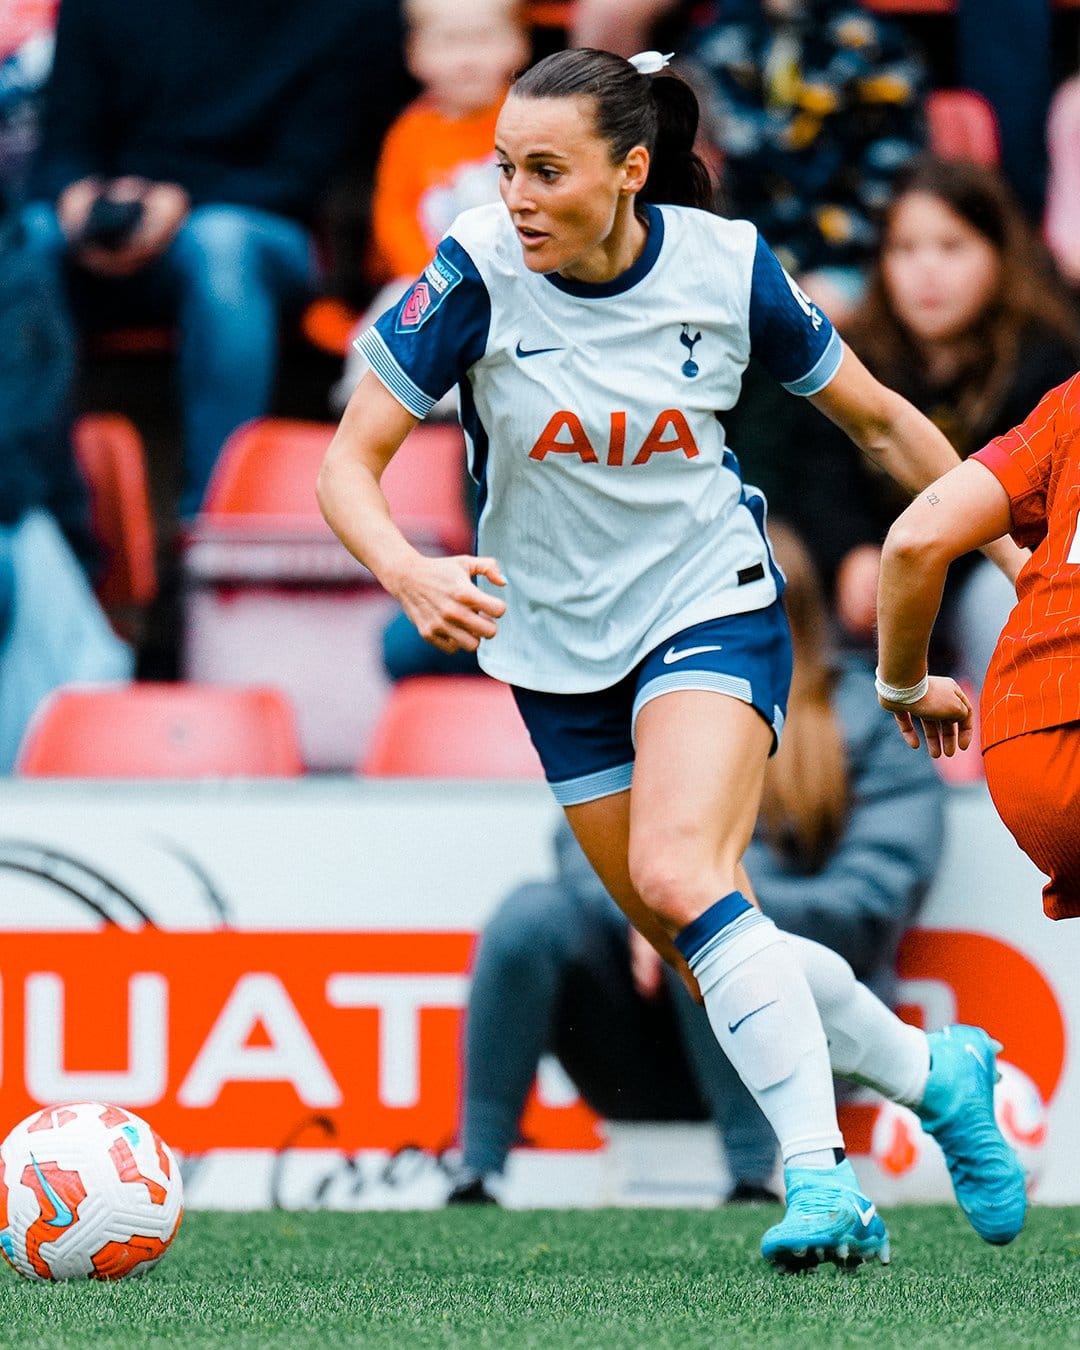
{"points": [[734, 1026], [63, 1217], [522, 352], [866, 1214], [671, 655]]}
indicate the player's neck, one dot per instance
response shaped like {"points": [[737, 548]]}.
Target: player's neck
{"points": [[615, 254]]}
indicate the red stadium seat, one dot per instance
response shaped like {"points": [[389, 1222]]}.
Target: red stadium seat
{"points": [[268, 468], [963, 125], [161, 731], [271, 596], [109, 451], [451, 726]]}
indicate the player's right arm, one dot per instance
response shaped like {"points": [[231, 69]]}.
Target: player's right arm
{"points": [[963, 510], [438, 594]]}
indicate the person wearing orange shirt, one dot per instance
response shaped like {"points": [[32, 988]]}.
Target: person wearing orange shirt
{"points": [[438, 158], [1027, 483]]}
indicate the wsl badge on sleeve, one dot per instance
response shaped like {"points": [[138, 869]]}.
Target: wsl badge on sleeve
{"points": [[436, 282]]}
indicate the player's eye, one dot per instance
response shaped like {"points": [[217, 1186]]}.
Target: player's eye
{"points": [[547, 174], [505, 168]]}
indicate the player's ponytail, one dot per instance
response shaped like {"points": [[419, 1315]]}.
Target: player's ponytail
{"points": [[677, 174], [633, 107]]}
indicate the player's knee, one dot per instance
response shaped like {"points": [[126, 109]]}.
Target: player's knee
{"points": [[673, 881]]}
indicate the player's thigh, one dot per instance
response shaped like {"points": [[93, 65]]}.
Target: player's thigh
{"points": [[698, 775], [602, 828]]}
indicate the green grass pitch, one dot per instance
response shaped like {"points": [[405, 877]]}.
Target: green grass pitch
{"points": [[598, 1278]]}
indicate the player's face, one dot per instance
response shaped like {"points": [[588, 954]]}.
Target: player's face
{"points": [[571, 206], [940, 272]]}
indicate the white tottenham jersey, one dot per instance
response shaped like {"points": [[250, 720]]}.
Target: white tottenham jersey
{"points": [[591, 412]]}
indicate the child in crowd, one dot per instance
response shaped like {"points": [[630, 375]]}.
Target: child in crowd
{"points": [[438, 158]]}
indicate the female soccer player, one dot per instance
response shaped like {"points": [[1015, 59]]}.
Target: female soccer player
{"points": [[1027, 481], [595, 336]]}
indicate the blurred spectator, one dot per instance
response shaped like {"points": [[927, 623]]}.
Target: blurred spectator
{"points": [[963, 318], [814, 107], [52, 630], [27, 35], [849, 839], [186, 151], [1000, 48], [626, 26], [1004, 51], [1062, 220], [438, 158]]}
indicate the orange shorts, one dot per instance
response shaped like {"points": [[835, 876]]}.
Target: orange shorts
{"points": [[1034, 780]]}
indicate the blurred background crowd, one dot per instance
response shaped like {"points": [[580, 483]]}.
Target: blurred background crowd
{"points": [[200, 206]]}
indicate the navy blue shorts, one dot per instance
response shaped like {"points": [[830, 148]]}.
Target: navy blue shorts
{"points": [[586, 741]]}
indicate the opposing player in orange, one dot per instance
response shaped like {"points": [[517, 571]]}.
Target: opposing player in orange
{"points": [[1027, 483]]}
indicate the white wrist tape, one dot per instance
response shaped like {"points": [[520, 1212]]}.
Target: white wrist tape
{"points": [[890, 694]]}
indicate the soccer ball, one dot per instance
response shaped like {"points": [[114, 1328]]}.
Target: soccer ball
{"points": [[87, 1191], [907, 1155]]}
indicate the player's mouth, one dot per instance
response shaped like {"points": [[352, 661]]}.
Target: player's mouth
{"points": [[529, 237]]}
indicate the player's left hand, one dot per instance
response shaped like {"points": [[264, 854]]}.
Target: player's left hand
{"points": [[646, 965], [946, 715]]}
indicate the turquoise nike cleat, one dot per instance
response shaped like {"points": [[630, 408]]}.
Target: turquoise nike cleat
{"points": [[828, 1219], [957, 1110]]}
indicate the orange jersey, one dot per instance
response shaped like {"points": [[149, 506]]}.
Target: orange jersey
{"points": [[431, 168], [1034, 676]]}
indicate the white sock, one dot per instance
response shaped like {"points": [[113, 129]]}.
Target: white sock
{"points": [[868, 1043], [762, 1012]]}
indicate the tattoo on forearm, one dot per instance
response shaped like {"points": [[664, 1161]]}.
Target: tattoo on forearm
{"points": [[933, 498]]}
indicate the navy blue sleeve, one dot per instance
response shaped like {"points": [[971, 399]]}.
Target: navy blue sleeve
{"points": [[789, 335], [426, 343]]}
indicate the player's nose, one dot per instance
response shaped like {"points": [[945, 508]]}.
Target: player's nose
{"points": [[516, 195]]}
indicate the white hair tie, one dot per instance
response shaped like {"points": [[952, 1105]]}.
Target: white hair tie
{"points": [[650, 63]]}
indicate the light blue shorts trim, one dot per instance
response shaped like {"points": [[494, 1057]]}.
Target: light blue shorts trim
{"points": [[606, 783]]}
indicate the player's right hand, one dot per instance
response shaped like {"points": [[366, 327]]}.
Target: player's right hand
{"points": [[447, 607], [946, 714]]}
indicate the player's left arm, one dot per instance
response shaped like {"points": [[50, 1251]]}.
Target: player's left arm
{"points": [[965, 509], [899, 439]]}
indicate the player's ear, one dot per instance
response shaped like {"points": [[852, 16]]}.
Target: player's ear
{"points": [[635, 170]]}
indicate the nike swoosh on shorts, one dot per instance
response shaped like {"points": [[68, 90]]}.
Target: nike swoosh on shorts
{"points": [[671, 655]]}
